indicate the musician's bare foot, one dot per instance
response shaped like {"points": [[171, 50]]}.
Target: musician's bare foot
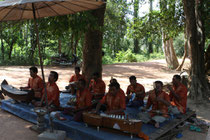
{"points": [[157, 125]]}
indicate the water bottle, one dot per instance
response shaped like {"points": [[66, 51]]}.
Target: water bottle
{"points": [[133, 96]]}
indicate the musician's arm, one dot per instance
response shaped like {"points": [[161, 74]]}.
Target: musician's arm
{"points": [[173, 93], [41, 102], [115, 111], [24, 88], [98, 107], [50, 102], [140, 94], [38, 90]]}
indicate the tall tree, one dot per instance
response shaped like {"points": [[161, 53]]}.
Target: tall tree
{"points": [[195, 33], [170, 55], [150, 49], [135, 17], [92, 49]]}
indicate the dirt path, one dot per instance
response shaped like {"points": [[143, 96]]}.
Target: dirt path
{"points": [[146, 73]]}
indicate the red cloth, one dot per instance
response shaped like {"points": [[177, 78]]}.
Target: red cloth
{"points": [[75, 78], [83, 98], [114, 102], [181, 104], [138, 88], [158, 105], [97, 87], [53, 93], [36, 83]]}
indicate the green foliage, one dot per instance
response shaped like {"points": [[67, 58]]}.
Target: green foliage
{"points": [[125, 56], [128, 56], [179, 45], [106, 59], [157, 56], [121, 26], [205, 8]]}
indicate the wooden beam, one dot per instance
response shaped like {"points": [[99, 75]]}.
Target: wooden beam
{"points": [[172, 124]]}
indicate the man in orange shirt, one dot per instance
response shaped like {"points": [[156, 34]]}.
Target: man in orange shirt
{"points": [[113, 80], [83, 101], [52, 91], [137, 90], [178, 95], [159, 100], [35, 83], [114, 99], [74, 79], [84, 96], [97, 87]]}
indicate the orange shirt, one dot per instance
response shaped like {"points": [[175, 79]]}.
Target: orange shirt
{"points": [[97, 87], [53, 93], [181, 91], [139, 88], [158, 105], [83, 98], [114, 102], [36, 83], [75, 78]]}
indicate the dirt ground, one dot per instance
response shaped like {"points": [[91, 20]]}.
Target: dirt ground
{"points": [[13, 127]]}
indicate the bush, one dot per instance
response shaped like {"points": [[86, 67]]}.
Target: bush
{"points": [[106, 59], [157, 56], [125, 56], [141, 58]]}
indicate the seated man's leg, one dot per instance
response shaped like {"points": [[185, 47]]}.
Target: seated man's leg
{"points": [[144, 117], [159, 119], [174, 110], [53, 107], [78, 116], [136, 103], [73, 89]]}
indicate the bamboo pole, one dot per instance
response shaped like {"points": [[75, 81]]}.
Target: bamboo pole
{"points": [[41, 64]]}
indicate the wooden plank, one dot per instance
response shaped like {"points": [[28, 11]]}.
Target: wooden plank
{"points": [[208, 135], [172, 124]]}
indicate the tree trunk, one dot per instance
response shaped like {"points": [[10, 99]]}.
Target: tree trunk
{"points": [[183, 59], [59, 46], [92, 50], [136, 45], [33, 43], [135, 40], [199, 89], [2, 49], [170, 55], [77, 38], [72, 44], [150, 50], [11, 48]]}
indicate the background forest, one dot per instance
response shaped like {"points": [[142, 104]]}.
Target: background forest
{"points": [[128, 36]]}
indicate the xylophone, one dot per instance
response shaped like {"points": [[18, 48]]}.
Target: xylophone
{"points": [[16, 94], [118, 122]]}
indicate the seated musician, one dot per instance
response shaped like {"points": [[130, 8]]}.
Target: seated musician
{"points": [[113, 80], [83, 101], [84, 96], [75, 78], [159, 100], [35, 83], [114, 99], [52, 91], [178, 95], [97, 87], [136, 90]]}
